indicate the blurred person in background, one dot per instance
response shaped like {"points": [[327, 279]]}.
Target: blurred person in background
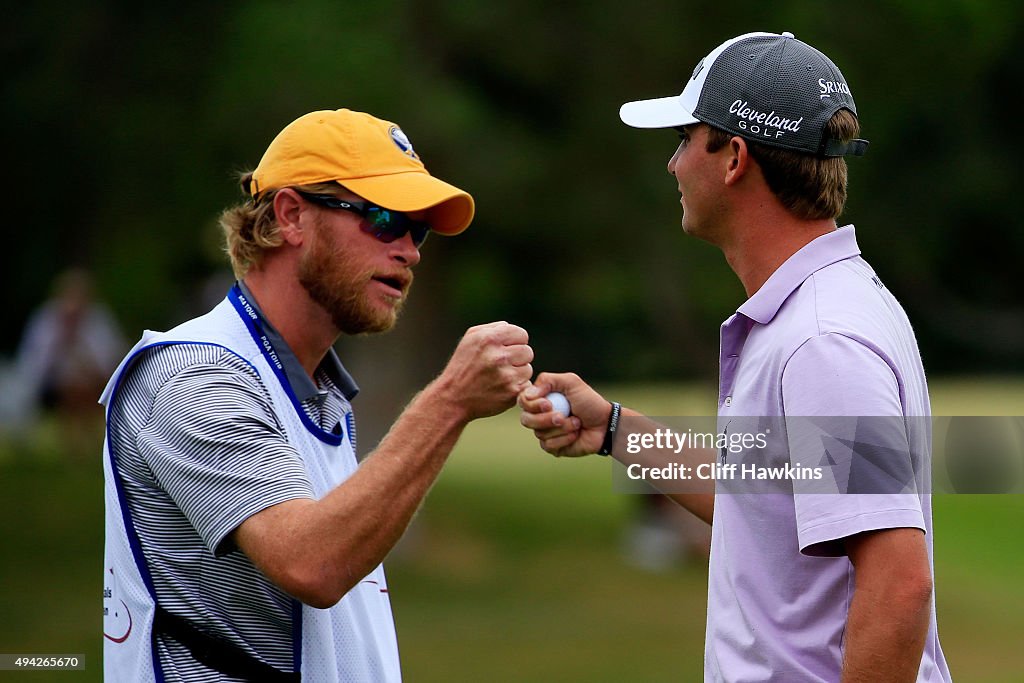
{"points": [[69, 347], [243, 539], [662, 536]]}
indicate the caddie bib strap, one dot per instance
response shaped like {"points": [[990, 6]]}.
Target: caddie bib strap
{"points": [[217, 653]]}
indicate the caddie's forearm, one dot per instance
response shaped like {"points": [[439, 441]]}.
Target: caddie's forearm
{"points": [[369, 513], [318, 550]]}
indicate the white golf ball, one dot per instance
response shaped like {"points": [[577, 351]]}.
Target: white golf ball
{"points": [[559, 403]]}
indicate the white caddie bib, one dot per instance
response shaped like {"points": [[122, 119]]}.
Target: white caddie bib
{"points": [[353, 641]]}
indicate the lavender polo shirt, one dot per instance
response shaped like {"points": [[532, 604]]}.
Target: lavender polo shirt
{"points": [[823, 336]]}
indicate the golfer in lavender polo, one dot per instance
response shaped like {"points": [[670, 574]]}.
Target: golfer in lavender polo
{"points": [[802, 586]]}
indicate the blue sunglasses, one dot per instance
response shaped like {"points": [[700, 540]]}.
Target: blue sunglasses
{"points": [[384, 224]]}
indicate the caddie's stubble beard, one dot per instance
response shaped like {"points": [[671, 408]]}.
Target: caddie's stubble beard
{"points": [[333, 281]]}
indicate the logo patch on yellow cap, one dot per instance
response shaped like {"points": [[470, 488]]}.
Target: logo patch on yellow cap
{"points": [[401, 141]]}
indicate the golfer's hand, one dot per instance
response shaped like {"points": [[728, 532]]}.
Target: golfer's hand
{"points": [[579, 434], [488, 369]]}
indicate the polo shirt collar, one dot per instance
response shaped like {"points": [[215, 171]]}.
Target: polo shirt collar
{"points": [[822, 251], [303, 386]]}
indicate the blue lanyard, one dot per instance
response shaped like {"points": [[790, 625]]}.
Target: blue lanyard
{"points": [[254, 323]]}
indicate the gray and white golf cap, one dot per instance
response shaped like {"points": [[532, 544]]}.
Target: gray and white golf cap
{"points": [[765, 87]]}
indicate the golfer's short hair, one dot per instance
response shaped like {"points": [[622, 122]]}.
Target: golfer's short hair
{"points": [[251, 228], [810, 187]]}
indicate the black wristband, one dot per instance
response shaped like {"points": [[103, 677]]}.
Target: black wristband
{"points": [[613, 426]]}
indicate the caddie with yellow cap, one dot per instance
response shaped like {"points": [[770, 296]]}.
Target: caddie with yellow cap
{"points": [[244, 539], [367, 155]]}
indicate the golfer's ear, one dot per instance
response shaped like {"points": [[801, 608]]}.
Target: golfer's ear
{"points": [[737, 161], [288, 209]]}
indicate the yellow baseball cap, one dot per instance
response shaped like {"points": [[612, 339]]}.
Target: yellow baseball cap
{"points": [[371, 157]]}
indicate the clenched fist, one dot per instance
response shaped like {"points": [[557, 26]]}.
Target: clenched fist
{"points": [[488, 369]]}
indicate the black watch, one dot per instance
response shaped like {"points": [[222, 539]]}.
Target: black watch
{"points": [[613, 426]]}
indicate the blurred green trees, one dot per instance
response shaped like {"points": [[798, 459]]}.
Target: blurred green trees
{"points": [[124, 124]]}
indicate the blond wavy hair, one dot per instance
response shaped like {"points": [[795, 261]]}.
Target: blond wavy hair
{"points": [[251, 228]]}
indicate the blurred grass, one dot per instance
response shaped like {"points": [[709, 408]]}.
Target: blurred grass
{"points": [[514, 569]]}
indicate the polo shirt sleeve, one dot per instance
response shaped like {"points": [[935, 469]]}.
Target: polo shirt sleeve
{"points": [[213, 443], [843, 410]]}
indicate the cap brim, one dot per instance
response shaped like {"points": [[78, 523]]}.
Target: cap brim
{"points": [[449, 210], [664, 112]]}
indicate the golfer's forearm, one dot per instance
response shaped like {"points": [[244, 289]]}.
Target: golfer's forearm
{"points": [[700, 504], [318, 550], [696, 492], [885, 633], [891, 606]]}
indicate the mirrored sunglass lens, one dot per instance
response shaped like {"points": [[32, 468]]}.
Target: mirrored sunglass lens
{"points": [[388, 227], [384, 226]]}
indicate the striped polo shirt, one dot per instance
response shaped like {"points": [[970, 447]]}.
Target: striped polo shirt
{"points": [[200, 449]]}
